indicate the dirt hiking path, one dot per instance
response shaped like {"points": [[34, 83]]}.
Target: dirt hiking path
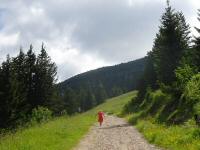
{"points": [[115, 134]]}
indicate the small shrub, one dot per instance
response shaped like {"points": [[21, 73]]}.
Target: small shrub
{"points": [[184, 74], [159, 99], [192, 94], [192, 89], [41, 114]]}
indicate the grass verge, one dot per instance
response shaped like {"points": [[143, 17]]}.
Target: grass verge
{"points": [[151, 118], [175, 137]]}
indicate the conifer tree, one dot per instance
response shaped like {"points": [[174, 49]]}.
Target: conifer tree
{"points": [[19, 103], [45, 76], [170, 44], [25, 83], [30, 61]]}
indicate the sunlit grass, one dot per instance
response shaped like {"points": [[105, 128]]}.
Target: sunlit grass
{"points": [[62, 133], [175, 137]]}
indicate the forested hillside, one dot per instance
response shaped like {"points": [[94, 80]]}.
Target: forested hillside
{"points": [[88, 89]]}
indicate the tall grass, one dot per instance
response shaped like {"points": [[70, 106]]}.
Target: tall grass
{"points": [[176, 137], [62, 133]]}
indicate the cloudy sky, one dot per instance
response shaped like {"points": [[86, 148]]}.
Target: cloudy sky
{"points": [[85, 34]]}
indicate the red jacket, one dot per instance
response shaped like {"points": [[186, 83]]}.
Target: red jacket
{"points": [[100, 116]]}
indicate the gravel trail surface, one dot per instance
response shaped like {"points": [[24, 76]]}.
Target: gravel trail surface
{"points": [[114, 134]]}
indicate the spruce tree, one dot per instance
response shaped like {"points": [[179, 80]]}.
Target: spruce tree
{"points": [[170, 44], [30, 61], [19, 103], [45, 78], [25, 83]]}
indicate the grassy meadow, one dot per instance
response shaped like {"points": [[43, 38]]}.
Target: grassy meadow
{"points": [[62, 132]]}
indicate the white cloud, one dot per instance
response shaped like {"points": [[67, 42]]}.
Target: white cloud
{"points": [[85, 34], [63, 53], [8, 40], [195, 4]]}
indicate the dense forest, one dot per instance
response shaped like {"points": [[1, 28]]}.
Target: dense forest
{"points": [[170, 86], [91, 88], [26, 82]]}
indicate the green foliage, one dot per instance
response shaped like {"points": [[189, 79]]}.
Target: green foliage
{"points": [[191, 94], [184, 74], [62, 132], [170, 137], [151, 118], [41, 114], [170, 44], [176, 98], [156, 104], [26, 82], [192, 89], [45, 77], [169, 67]]}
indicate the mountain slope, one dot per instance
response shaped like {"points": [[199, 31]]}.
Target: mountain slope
{"points": [[86, 90], [122, 76]]}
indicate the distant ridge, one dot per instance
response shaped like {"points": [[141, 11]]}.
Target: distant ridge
{"points": [[115, 79]]}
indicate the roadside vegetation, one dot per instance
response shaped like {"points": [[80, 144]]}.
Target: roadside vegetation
{"points": [[152, 122], [167, 107]]}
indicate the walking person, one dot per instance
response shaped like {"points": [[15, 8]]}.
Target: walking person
{"points": [[100, 117]]}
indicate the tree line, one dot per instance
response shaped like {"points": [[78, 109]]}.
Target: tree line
{"points": [[26, 82], [173, 66]]}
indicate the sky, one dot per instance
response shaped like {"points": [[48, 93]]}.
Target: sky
{"points": [[80, 35]]}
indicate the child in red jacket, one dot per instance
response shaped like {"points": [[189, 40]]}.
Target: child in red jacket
{"points": [[100, 117]]}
